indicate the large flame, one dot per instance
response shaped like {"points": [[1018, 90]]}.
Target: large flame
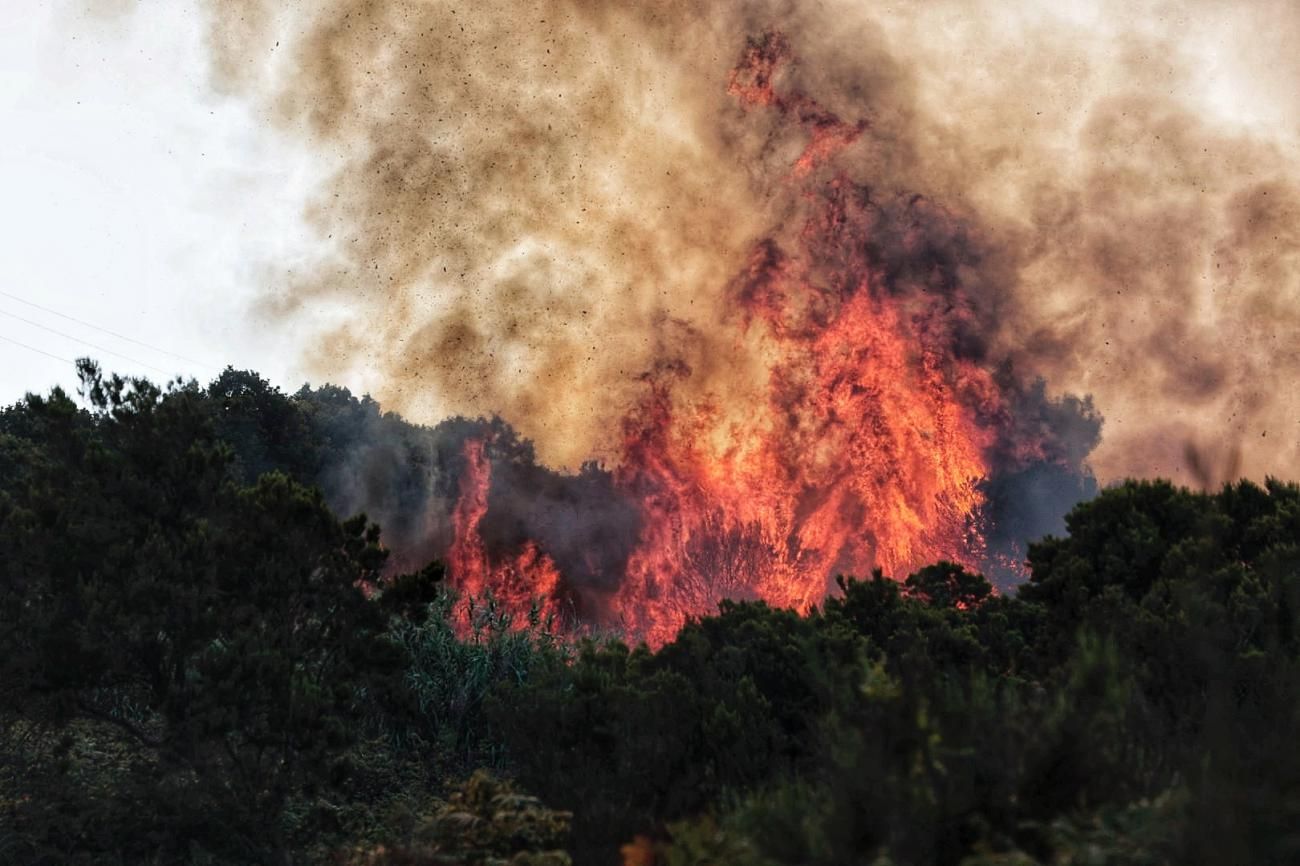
{"points": [[633, 236], [525, 584], [866, 444]]}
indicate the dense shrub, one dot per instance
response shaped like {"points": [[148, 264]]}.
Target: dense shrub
{"points": [[200, 662]]}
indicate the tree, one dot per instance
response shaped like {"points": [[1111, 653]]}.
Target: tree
{"points": [[220, 632], [947, 584]]}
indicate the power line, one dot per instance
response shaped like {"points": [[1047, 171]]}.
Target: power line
{"points": [[104, 330], [34, 349], [85, 342]]}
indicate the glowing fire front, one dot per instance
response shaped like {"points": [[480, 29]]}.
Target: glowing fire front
{"points": [[866, 447]]}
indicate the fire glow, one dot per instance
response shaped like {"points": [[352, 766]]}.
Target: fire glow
{"points": [[881, 418]]}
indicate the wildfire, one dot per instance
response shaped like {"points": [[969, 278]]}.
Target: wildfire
{"points": [[867, 449], [752, 82], [521, 583]]}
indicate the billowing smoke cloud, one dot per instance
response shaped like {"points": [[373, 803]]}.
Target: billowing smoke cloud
{"points": [[526, 200], [574, 213], [521, 198]]}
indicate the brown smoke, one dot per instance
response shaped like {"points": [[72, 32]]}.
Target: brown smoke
{"points": [[528, 204]]}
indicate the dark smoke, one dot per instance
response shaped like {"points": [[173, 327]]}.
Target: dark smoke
{"points": [[407, 478], [582, 521], [1029, 496]]}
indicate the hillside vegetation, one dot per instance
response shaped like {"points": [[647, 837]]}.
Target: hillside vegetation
{"points": [[205, 659]]}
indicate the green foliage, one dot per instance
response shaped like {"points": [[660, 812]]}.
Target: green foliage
{"points": [[216, 637], [485, 822], [1131, 705], [947, 584], [449, 676], [626, 739], [199, 662]]}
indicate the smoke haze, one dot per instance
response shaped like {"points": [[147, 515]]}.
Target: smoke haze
{"points": [[760, 293], [527, 205]]}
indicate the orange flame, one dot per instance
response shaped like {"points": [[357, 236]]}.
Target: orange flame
{"points": [[752, 82], [867, 450], [518, 583], [865, 455]]}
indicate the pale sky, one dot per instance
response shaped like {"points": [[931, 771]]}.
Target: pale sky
{"points": [[133, 199]]}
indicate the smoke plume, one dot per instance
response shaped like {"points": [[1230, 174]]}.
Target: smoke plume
{"points": [[528, 200], [646, 234]]}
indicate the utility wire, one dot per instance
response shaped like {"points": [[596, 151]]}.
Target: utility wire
{"points": [[34, 349], [104, 330], [84, 342]]}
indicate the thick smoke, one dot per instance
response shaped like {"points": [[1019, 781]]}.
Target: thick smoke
{"points": [[541, 209], [520, 199], [406, 476], [527, 201], [1139, 165]]}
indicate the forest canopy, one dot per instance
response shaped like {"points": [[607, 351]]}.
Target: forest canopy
{"points": [[208, 655]]}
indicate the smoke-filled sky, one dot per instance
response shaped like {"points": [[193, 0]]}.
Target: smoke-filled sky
{"points": [[519, 207]]}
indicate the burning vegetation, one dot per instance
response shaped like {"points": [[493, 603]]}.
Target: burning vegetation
{"points": [[780, 292], [203, 664], [880, 424], [758, 332]]}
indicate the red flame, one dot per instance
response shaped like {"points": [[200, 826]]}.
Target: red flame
{"points": [[752, 82], [866, 450], [521, 584], [864, 455]]}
